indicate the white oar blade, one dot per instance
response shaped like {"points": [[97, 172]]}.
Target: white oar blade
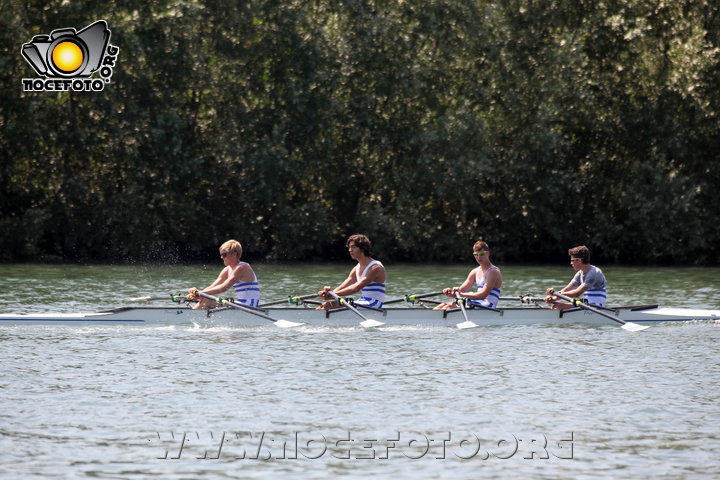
{"points": [[634, 327], [139, 299], [287, 324], [371, 323], [467, 324]]}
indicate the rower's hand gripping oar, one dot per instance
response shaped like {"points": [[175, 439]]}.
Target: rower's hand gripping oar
{"points": [[367, 323], [228, 303], [632, 327], [467, 323]]}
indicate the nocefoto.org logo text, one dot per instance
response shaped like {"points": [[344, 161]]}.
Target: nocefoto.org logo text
{"points": [[66, 59]]}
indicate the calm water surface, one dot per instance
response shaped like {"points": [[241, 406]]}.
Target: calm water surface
{"points": [[189, 402]]}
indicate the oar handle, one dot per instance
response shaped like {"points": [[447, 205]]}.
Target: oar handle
{"points": [[291, 299], [295, 300], [523, 299], [178, 298], [413, 297], [174, 297], [573, 301], [394, 300]]}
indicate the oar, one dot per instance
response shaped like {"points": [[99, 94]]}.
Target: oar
{"points": [[367, 323], [177, 298], [291, 299], [632, 327], [523, 299], [222, 301], [467, 323], [413, 298], [394, 300]]}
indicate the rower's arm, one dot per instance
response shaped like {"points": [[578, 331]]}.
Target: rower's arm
{"points": [[492, 281], [352, 285], [210, 288], [225, 280], [464, 287], [573, 291], [340, 288], [469, 281]]}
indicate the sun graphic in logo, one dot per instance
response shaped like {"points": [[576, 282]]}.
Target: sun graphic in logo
{"points": [[67, 56]]}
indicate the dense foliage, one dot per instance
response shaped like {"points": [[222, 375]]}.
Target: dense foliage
{"points": [[290, 124]]}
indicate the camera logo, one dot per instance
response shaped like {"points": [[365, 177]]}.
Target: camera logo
{"points": [[67, 59]]}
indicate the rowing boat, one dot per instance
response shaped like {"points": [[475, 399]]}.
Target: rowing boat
{"points": [[420, 316]]}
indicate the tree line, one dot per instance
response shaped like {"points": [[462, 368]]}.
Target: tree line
{"points": [[425, 124]]}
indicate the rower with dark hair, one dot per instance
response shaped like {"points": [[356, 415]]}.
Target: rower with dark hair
{"points": [[367, 277], [589, 281]]}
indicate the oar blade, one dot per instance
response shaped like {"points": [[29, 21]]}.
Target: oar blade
{"points": [[287, 324], [369, 323], [466, 324], [634, 327]]}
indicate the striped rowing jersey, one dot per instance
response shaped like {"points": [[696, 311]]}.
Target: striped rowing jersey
{"points": [[493, 297], [373, 294], [248, 293]]}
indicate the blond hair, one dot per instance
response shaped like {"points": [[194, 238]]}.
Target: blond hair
{"points": [[232, 246]]}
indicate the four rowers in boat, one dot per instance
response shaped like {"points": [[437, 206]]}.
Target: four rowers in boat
{"points": [[368, 277]]}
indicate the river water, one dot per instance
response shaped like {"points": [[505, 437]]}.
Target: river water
{"points": [[185, 402]]}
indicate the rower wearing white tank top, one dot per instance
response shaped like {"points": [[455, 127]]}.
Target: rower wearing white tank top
{"points": [[236, 274], [367, 277], [486, 276]]}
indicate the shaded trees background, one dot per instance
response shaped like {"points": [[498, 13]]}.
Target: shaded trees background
{"points": [[536, 125]]}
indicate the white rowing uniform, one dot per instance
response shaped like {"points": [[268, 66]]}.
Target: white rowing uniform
{"points": [[372, 294], [248, 293], [493, 297]]}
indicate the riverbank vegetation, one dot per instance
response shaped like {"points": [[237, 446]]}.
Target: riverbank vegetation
{"points": [[535, 125]]}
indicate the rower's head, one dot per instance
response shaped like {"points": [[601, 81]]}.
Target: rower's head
{"points": [[481, 250], [230, 247], [579, 255], [360, 241]]}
